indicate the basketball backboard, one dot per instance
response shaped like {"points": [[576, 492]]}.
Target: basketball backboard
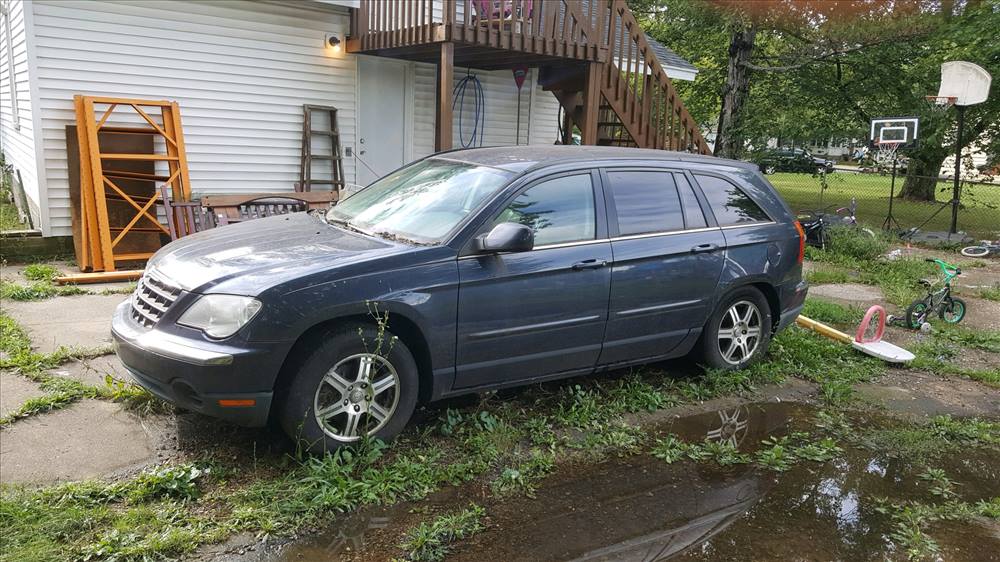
{"points": [[964, 83], [899, 131]]}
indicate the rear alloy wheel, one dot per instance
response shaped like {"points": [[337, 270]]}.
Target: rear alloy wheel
{"points": [[344, 391], [739, 331], [770, 169]]}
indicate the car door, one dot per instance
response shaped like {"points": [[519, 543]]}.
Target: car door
{"points": [[668, 258], [530, 314]]}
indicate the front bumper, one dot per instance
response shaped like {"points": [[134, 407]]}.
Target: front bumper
{"points": [[197, 375]]}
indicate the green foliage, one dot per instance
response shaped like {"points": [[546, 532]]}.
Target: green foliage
{"points": [[38, 290], [925, 441], [433, 541], [521, 477], [856, 244], [775, 453], [41, 272], [825, 275], [134, 397], [826, 311], [991, 293]]}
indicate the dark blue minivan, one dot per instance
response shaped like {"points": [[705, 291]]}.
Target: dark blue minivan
{"points": [[466, 271]]}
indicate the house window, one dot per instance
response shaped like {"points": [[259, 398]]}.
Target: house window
{"points": [[12, 79]]}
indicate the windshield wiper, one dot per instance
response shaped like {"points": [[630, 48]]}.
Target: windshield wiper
{"points": [[344, 224]]}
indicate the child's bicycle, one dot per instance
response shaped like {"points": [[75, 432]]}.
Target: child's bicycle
{"points": [[948, 308], [987, 248]]}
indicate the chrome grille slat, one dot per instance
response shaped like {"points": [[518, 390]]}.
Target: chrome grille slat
{"points": [[152, 299]]}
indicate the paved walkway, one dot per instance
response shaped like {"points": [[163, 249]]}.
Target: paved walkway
{"points": [[77, 321]]}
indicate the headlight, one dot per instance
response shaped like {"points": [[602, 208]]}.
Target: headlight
{"points": [[220, 316]]}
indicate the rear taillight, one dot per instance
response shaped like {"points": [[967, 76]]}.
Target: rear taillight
{"points": [[802, 241]]}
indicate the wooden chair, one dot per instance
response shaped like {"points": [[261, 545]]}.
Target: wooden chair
{"points": [[187, 217]]}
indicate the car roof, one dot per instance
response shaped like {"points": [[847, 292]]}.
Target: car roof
{"points": [[523, 158]]}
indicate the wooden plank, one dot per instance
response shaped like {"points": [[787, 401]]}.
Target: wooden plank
{"points": [[101, 228], [445, 79], [99, 277]]}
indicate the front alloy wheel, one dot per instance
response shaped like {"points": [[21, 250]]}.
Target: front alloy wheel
{"points": [[739, 332], [341, 392], [356, 397]]}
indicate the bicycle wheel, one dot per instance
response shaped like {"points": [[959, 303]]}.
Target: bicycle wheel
{"points": [[975, 251], [916, 314], [952, 310], [868, 231]]}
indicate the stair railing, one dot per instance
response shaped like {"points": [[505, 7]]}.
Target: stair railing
{"points": [[638, 89]]}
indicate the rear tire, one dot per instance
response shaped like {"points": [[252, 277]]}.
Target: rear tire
{"points": [[739, 331], [357, 392], [916, 314]]}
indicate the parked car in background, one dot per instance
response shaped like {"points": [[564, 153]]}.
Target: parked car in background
{"points": [[466, 271], [791, 160]]}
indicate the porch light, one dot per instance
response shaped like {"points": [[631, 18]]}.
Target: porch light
{"points": [[334, 42]]}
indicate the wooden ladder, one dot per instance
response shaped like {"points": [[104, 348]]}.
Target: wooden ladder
{"points": [[306, 180]]}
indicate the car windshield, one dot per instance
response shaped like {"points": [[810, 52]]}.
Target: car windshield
{"points": [[420, 203]]}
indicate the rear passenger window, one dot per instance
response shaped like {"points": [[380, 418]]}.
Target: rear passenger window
{"points": [[729, 203], [646, 201], [693, 216]]}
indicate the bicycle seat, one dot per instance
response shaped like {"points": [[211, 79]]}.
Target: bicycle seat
{"points": [[925, 283]]}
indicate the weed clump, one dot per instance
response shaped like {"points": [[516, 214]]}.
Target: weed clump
{"points": [[432, 541]]}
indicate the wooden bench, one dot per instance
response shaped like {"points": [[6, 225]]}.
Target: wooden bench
{"points": [[248, 206]]}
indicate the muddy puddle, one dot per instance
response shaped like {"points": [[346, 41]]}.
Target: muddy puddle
{"points": [[643, 509]]}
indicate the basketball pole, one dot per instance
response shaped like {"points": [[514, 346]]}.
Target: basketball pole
{"points": [[889, 219], [958, 169]]}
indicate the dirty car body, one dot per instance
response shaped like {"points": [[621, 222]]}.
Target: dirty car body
{"points": [[608, 272]]}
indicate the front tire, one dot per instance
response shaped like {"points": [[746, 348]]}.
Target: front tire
{"points": [[347, 390], [952, 310], [739, 331]]}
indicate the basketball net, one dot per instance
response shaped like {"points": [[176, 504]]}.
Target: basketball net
{"points": [[885, 153]]}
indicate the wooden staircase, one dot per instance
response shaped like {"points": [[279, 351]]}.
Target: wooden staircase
{"points": [[638, 104]]}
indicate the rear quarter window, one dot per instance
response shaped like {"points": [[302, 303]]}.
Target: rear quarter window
{"points": [[645, 201], [729, 203]]}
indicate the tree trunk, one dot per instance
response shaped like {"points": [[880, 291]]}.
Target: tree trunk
{"points": [[729, 137], [921, 176]]}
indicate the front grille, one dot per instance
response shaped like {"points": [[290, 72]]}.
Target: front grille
{"points": [[151, 299]]}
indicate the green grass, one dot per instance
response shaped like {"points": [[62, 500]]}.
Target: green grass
{"points": [[825, 311], [991, 293], [927, 441], [431, 542], [977, 215]]}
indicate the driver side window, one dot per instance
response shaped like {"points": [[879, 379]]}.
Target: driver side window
{"points": [[559, 210]]}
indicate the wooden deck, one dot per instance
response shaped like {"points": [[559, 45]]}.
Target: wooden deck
{"points": [[613, 87], [531, 32]]}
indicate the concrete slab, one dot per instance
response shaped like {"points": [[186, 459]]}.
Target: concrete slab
{"points": [[16, 390], [850, 292], [87, 440], [92, 371], [78, 321]]}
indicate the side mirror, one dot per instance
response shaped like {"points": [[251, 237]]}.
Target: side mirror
{"points": [[506, 237]]}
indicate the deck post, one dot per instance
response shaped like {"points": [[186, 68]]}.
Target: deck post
{"points": [[591, 104], [445, 84]]}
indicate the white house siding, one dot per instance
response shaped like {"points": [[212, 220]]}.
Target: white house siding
{"points": [[18, 138], [539, 110], [240, 70]]}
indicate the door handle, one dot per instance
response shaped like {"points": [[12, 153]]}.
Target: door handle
{"points": [[589, 264], [704, 248]]}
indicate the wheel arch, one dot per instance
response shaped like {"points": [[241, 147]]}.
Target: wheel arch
{"points": [[770, 293], [399, 324]]}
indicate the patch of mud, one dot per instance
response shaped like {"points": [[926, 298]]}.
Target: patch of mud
{"points": [[641, 508]]}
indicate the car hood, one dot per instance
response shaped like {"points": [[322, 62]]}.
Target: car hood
{"points": [[249, 257]]}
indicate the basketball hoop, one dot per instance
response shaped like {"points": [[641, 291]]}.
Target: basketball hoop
{"points": [[885, 153], [943, 102]]}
